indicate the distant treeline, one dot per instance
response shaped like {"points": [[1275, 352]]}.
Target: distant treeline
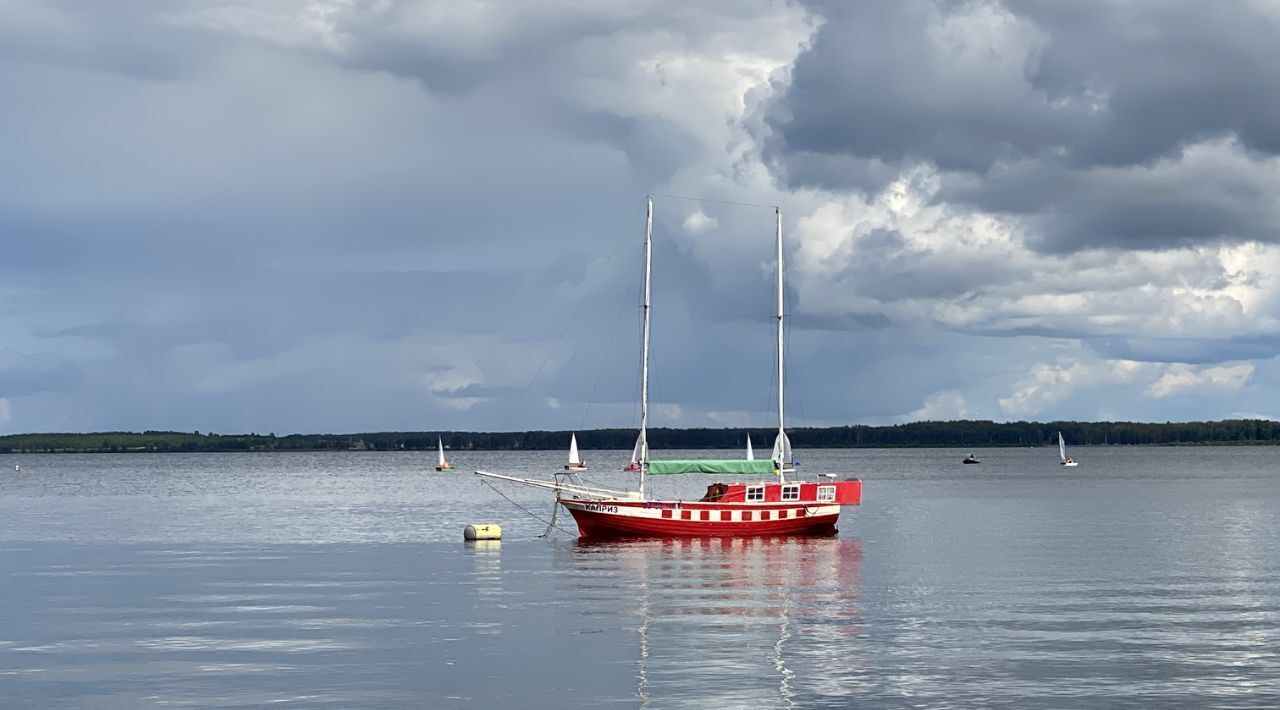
{"points": [[961, 434]]}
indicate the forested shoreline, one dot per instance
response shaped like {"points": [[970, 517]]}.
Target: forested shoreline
{"points": [[969, 433]]}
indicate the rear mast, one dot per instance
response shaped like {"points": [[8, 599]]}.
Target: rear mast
{"points": [[644, 345], [783, 445]]}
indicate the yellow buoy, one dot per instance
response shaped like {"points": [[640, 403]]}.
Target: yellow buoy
{"points": [[483, 531]]}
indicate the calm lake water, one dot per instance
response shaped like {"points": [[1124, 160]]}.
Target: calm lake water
{"points": [[1145, 578]]}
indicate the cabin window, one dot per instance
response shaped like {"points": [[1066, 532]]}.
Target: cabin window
{"points": [[746, 515], [686, 515], [726, 516], [764, 515], [755, 493], [706, 515], [666, 513], [791, 491], [782, 514], [826, 494]]}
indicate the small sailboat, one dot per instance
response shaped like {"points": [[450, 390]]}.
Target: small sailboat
{"points": [[442, 464], [971, 459], [751, 455], [635, 458], [1062, 453], [575, 461]]}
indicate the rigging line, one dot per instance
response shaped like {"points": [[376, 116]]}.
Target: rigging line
{"points": [[639, 335], [612, 334], [796, 393], [550, 525], [773, 365], [721, 202], [595, 277]]}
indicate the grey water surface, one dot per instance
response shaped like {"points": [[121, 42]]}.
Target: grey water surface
{"points": [[1145, 578]]}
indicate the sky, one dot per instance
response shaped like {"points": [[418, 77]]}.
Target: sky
{"points": [[369, 215]]}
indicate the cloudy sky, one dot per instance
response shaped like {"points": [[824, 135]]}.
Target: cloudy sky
{"points": [[355, 215]]}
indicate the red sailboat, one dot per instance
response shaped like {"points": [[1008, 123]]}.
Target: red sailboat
{"points": [[773, 506]]}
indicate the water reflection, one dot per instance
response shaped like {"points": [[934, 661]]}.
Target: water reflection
{"points": [[1148, 580], [735, 621], [486, 556]]}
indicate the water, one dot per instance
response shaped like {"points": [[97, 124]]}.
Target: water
{"points": [[1144, 578]]}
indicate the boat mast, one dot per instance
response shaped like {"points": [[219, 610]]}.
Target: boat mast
{"points": [[782, 434], [644, 347]]}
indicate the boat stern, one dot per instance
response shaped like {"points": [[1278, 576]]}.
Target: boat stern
{"points": [[849, 492]]}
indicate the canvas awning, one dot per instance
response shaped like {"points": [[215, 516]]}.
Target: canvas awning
{"points": [[660, 468]]}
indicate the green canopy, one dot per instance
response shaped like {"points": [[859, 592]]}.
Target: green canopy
{"points": [[659, 468]]}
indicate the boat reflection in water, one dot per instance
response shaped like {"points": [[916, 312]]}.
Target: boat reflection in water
{"points": [[732, 622]]}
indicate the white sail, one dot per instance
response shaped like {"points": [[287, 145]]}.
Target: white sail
{"points": [[751, 455], [440, 449], [574, 460], [1062, 447], [637, 454], [782, 450]]}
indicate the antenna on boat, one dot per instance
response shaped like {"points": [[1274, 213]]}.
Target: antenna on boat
{"points": [[644, 346]]}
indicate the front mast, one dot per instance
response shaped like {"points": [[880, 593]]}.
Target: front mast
{"points": [[644, 347]]}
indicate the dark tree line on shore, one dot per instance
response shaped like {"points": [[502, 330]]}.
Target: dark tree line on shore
{"points": [[963, 434]]}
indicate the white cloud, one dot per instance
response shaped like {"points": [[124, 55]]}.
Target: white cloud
{"points": [[942, 406], [668, 414], [460, 404], [1181, 378], [453, 378], [1254, 415], [699, 222], [289, 23], [1048, 384], [918, 260], [733, 418]]}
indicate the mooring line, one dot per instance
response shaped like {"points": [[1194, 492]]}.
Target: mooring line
{"points": [[550, 524]]}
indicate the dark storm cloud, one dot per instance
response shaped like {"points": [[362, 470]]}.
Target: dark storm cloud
{"points": [[30, 374], [227, 224], [1207, 192], [543, 57], [321, 215], [127, 37], [1197, 351], [889, 267], [466, 53], [1078, 115]]}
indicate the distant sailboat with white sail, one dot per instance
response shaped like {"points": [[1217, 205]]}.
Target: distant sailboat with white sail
{"points": [[1064, 460], [575, 461], [636, 455], [751, 455], [442, 464]]}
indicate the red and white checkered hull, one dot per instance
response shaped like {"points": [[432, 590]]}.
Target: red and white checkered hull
{"points": [[632, 518]]}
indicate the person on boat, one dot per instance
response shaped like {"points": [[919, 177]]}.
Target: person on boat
{"points": [[715, 492]]}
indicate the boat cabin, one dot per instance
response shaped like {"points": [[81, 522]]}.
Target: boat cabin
{"points": [[846, 492]]}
